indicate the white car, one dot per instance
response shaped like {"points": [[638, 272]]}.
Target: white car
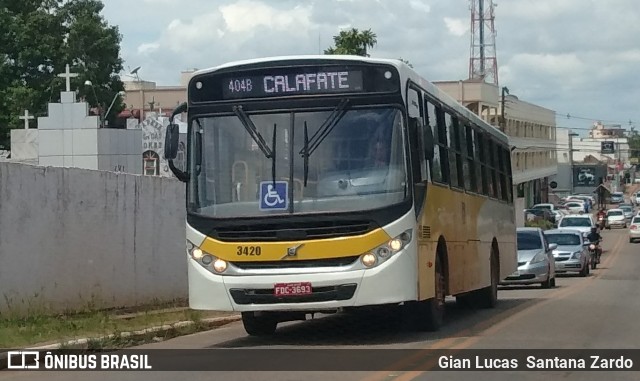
{"points": [[636, 198], [615, 217], [634, 229], [580, 222], [575, 207]]}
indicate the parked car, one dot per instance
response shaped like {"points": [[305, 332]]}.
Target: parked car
{"points": [[581, 222], [535, 259], [552, 208], [587, 200], [615, 217], [572, 253], [617, 198], [634, 229], [539, 213], [575, 207], [636, 198]]}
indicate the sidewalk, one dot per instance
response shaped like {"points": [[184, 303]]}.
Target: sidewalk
{"points": [[121, 340]]}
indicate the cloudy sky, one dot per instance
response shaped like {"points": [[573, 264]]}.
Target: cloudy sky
{"points": [[576, 57]]}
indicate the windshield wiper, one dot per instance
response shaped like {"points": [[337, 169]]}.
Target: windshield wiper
{"points": [[305, 155], [326, 128], [273, 158], [255, 135], [253, 131]]}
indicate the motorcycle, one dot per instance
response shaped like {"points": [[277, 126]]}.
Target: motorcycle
{"points": [[601, 222], [595, 251]]}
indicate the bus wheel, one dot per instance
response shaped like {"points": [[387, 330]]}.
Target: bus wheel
{"points": [[428, 315], [488, 296], [259, 325]]}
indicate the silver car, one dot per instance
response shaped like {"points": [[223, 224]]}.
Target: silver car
{"points": [[628, 211], [535, 259], [572, 253]]}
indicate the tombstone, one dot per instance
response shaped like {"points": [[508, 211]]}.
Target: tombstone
{"points": [[24, 143], [70, 137], [154, 129]]}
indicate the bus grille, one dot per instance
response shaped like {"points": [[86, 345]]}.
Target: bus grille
{"points": [[329, 262], [288, 231]]}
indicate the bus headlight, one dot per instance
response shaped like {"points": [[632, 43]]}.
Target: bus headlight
{"points": [[207, 260], [369, 260], [197, 254], [385, 251], [220, 265]]}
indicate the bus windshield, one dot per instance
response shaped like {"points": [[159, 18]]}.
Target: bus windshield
{"points": [[355, 161]]}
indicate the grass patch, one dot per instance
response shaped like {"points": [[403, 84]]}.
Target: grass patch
{"points": [[120, 340], [38, 329]]}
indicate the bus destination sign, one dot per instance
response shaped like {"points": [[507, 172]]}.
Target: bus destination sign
{"points": [[273, 84]]}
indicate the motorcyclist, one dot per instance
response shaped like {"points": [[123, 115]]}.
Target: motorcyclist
{"points": [[601, 217], [595, 238]]}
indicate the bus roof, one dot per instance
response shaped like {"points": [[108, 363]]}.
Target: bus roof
{"points": [[253, 61], [405, 71]]}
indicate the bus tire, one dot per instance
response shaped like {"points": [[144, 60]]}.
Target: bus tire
{"points": [[259, 325], [428, 315], [488, 296]]}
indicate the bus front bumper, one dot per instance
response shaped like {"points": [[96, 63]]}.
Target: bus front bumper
{"points": [[394, 281]]}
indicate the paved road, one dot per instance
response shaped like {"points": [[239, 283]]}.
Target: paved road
{"points": [[600, 311]]}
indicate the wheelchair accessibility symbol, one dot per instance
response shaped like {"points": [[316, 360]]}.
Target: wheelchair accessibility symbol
{"points": [[274, 198]]}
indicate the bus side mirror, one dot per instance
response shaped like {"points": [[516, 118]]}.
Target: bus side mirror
{"points": [[171, 142]]}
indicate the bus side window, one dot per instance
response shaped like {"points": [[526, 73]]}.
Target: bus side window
{"points": [[416, 145], [451, 126], [482, 163], [443, 145], [490, 168], [431, 123], [508, 175], [469, 164]]}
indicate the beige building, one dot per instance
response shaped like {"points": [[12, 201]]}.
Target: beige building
{"points": [[143, 97], [603, 131], [532, 134]]}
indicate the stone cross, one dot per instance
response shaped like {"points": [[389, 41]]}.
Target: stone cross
{"points": [[26, 119], [68, 75]]}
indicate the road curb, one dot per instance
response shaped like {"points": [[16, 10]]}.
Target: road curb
{"points": [[83, 342]]}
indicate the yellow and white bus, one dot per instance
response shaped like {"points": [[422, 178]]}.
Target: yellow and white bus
{"points": [[325, 183]]}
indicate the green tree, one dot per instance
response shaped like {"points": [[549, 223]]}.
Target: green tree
{"points": [[38, 38], [353, 42]]}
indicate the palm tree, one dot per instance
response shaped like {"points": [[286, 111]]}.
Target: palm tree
{"points": [[354, 42]]}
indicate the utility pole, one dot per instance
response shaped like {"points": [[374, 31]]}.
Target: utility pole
{"points": [[571, 135], [503, 121]]}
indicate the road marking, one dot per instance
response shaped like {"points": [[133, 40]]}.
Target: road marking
{"points": [[520, 311]]}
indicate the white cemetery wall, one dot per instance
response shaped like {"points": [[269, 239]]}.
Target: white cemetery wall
{"points": [[71, 237], [133, 124], [119, 150], [24, 145]]}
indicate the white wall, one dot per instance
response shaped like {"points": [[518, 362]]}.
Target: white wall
{"points": [[73, 237]]}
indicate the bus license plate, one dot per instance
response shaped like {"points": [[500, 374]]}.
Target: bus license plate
{"points": [[292, 289]]}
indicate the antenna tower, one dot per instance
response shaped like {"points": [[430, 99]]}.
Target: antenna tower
{"points": [[483, 64]]}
